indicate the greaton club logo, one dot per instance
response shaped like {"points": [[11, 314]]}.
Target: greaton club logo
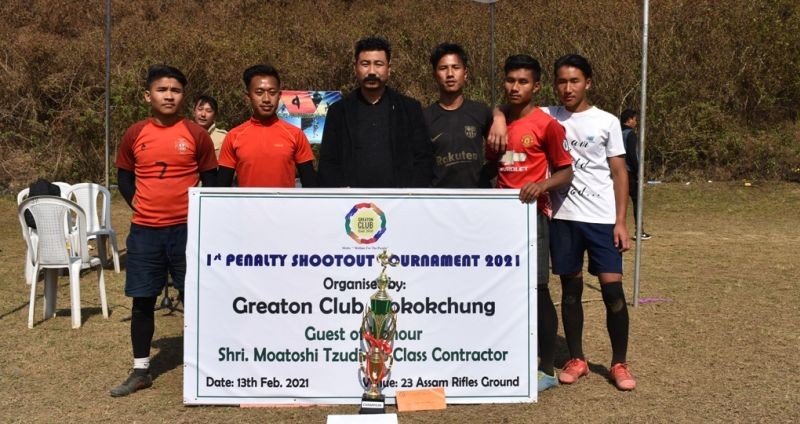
{"points": [[365, 223]]}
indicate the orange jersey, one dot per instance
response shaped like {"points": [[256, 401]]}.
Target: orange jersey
{"points": [[265, 155], [166, 162]]}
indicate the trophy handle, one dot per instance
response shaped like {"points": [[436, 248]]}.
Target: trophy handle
{"points": [[365, 321], [391, 326], [389, 363], [362, 358]]}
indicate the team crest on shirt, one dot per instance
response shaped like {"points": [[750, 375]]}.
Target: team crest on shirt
{"points": [[527, 140], [182, 145], [470, 131]]}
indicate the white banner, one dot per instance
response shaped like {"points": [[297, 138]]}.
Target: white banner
{"points": [[277, 281]]}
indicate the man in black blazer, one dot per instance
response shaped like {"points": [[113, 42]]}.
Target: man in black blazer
{"points": [[375, 137]]}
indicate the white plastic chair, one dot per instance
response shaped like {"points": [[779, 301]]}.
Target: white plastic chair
{"points": [[98, 224], [64, 188], [54, 249], [23, 194]]}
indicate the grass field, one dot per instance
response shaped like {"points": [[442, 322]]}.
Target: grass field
{"points": [[720, 348]]}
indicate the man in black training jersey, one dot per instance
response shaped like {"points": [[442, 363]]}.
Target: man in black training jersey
{"points": [[457, 126]]}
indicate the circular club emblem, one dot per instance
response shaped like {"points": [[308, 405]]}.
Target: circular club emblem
{"points": [[365, 223], [182, 146], [527, 139]]}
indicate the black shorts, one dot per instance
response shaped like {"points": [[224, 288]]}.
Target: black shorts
{"points": [[152, 253]]}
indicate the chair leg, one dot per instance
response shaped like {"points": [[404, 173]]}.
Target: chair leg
{"points": [[102, 287], [50, 292], [31, 305], [29, 270], [102, 251], [114, 251], [75, 292]]}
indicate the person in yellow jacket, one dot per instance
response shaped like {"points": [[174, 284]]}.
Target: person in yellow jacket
{"points": [[205, 115]]}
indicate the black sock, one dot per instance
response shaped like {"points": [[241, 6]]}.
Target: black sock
{"points": [[617, 320], [547, 327], [142, 325], [572, 314]]}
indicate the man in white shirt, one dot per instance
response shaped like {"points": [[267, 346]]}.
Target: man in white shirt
{"points": [[590, 216]]}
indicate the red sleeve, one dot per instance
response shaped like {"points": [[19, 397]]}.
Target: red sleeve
{"points": [[206, 157], [302, 151], [555, 137], [227, 155], [125, 157]]}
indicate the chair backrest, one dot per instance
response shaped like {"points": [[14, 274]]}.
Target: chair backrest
{"points": [[64, 188], [51, 214], [85, 195], [22, 195]]}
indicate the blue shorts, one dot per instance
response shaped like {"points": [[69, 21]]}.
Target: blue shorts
{"points": [[152, 253], [569, 239]]}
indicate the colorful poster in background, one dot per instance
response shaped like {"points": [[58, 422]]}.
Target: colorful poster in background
{"points": [[277, 281], [307, 110]]}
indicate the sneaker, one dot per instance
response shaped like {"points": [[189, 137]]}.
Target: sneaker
{"points": [[573, 370], [545, 381], [645, 236], [622, 377], [138, 380]]}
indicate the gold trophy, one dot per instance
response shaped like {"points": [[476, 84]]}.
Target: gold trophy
{"points": [[377, 330]]}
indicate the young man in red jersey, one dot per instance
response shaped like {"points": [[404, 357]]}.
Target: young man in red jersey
{"points": [[264, 151], [536, 162], [158, 160]]}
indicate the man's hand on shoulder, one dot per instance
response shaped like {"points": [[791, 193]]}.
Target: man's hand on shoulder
{"points": [[498, 133]]}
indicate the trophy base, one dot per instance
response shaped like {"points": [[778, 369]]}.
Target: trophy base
{"points": [[372, 406]]}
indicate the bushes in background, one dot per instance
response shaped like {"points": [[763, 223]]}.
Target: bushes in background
{"points": [[724, 78]]}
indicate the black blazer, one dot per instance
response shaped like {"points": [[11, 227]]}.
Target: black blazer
{"points": [[412, 150]]}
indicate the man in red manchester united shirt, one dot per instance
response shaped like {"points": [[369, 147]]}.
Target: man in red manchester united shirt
{"points": [[536, 162]]}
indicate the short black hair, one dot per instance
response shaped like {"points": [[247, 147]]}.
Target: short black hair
{"points": [[575, 61], [156, 72], [448, 48], [627, 114], [206, 100], [371, 44], [260, 69], [523, 61]]}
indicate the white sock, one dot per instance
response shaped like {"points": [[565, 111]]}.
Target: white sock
{"points": [[141, 363]]}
